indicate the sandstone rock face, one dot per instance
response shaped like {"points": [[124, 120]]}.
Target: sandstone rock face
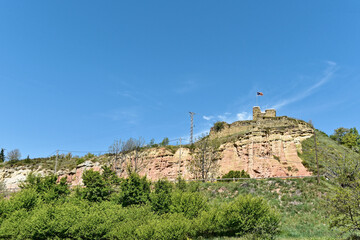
{"points": [[266, 147], [12, 177]]}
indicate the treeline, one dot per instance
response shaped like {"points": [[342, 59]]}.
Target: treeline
{"points": [[109, 207]]}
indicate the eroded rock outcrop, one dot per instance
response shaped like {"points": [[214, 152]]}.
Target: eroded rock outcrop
{"points": [[265, 147]]}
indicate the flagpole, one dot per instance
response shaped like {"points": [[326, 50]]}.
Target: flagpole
{"points": [[257, 100]]}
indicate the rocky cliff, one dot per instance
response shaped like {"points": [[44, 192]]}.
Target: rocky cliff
{"points": [[265, 147]]}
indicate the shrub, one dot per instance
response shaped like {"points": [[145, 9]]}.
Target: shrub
{"points": [[161, 197], [46, 186], [172, 227], [248, 215], [180, 184], [26, 199], [218, 126], [236, 174], [188, 203], [96, 188], [134, 190]]}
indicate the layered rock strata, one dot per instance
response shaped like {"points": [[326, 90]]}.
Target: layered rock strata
{"points": [[265, 147]]}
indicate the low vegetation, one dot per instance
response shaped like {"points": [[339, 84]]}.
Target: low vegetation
{"points": [[113, 208]]}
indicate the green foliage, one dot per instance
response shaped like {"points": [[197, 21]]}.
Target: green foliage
{"points": [[109, 176], [218, 126], [47, 186], [27, 216], [247, 214], [89, 156], [180, 184], [332, 156], [347, 137], [161, 197], [165, 142], [236, 174], [345, 208], [2, 155], [172, 148], [96, 188], [134, 190], [26, 199], [152, 143], [27, 160], [188, 203], [80, 161]]}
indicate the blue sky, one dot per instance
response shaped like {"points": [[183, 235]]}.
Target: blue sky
{"points": [[76, 75]]}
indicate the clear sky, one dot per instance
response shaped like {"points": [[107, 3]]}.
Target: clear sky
{"points": [[75, 75]]}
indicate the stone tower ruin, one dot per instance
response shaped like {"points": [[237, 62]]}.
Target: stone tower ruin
{"points": [[257, 114]]}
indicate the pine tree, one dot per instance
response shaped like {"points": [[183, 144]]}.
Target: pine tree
{"points": [[2, 155]]}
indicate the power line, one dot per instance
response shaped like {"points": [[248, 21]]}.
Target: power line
{"points": [[82, 151]]}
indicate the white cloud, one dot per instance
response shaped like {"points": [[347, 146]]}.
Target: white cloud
{"points": [[327, 75], [208, 118], [243, 116]]}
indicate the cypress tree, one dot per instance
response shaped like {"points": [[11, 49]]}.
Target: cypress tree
{"points": [[2, 155]]}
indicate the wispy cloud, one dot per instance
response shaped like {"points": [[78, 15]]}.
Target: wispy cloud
{"points": [[208, 118], [129, 116], [327, 75], [243, 116], [128, 94], [229, 117]]}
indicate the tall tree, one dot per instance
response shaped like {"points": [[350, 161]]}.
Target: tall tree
{"points": [[348, 137], [165, 142], [204, 160], [2, 155], [118, 150], [14, 155], [137, 155]]}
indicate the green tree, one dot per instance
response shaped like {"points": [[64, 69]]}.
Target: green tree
{"points": [[2, 155], [96, 188], [165, 142], [218, 126], [348, 137], [134, 190], [161, 196], [47, 186], [204, 159], [345, 203]]}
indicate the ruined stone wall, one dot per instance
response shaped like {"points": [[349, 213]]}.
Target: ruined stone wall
{"points": [[257, 114], [277, 124]]}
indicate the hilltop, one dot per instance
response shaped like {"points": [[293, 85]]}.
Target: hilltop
{"points": [[267, 146]]}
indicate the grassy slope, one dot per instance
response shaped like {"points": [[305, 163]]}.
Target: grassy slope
{"points": [[328, 151], [301, 202]]}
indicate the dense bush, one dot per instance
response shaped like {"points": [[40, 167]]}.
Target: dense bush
{"points": [[133, 213], [246, 215], [96, 189], [218, 126], [188, 203], [134, 190], [236, 174], [46, 186], [161, 196]]}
